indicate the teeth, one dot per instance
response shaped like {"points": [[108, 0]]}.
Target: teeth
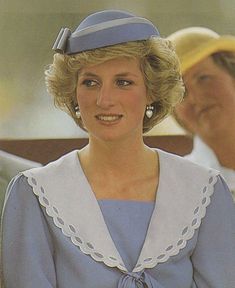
{"points": [[108, 118]]}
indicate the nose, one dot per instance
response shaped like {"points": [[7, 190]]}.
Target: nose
{"points": [[105, 97]]}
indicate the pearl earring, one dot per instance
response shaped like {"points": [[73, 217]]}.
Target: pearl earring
{"points": [[77, 112], [149, 111]]}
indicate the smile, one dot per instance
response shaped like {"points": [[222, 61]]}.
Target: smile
{"points": [[108, 118]]}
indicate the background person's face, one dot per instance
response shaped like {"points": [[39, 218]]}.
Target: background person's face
{"points": [[209, 105]]}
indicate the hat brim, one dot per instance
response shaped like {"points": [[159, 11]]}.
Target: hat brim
{"points": [[223, 43]]}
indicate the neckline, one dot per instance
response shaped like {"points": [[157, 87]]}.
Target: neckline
{"points": [[81, 172], [126, 201]]}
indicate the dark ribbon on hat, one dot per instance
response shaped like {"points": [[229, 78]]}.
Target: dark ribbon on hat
{"points": [[61, 40], [138, 280]]}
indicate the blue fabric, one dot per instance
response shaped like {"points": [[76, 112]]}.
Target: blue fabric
{"points": [[101, 30], [125, 220], [140, 280], [37, 254]]}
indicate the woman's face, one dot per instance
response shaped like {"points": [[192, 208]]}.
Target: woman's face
{"points": [[209, 105], [112, 99]]}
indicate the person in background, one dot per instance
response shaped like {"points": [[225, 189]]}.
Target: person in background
{"points": [[10, 166], [208, 109], [117, 213]]}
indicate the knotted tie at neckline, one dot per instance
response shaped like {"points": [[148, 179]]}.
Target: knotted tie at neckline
{"points": [[138, 280]]}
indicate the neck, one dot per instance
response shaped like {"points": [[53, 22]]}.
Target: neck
{"points": [[116, 157], [121, 170]]}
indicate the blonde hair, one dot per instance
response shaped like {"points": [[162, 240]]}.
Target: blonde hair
{"points": [[158, 62]]}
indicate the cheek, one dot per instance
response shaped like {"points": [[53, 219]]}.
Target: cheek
{"points": [[182, 112], [135, 98], [138, 105], [142, 97], [226, 96], [185, 116], [84, 100]]}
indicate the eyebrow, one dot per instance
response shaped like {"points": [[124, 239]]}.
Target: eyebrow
{"points": [[87, 74], [125, 74], [198, 73], [194, 75], [122, 74]]}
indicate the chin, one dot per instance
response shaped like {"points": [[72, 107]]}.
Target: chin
{"points": [[212, 133]]}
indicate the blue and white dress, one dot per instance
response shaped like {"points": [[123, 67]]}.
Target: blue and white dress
{"points": [[56, 234]]}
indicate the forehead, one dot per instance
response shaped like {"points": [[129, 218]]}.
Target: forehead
{"points": [[115, 65], [202, 66], [204, 62]]}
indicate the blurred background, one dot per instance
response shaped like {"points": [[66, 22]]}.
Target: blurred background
{"points": [[28, 29]]}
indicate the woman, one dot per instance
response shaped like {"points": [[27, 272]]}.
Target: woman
{"points": [[117, 213], [208, 110]]}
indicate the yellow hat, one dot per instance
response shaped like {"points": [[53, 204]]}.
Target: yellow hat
{"points": [[193, 44]]}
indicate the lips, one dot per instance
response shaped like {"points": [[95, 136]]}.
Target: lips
{"points": [[108, 118]]}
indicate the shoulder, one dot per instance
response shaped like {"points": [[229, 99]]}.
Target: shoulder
{"points": [[61, 165], [190, 173], [59, 175], [18, 193], [186, 185], [183, 165]]}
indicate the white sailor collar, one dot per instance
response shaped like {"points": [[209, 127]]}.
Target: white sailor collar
{"points": [[183, 194]]}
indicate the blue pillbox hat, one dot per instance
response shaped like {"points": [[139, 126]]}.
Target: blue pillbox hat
{"points": [[104, 28]]}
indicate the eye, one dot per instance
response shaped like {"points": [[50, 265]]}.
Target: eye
{"points": [[124, 82], [89, 83], [203, 77]]}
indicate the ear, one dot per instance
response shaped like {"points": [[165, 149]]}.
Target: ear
{"points": [[148, 100]]}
